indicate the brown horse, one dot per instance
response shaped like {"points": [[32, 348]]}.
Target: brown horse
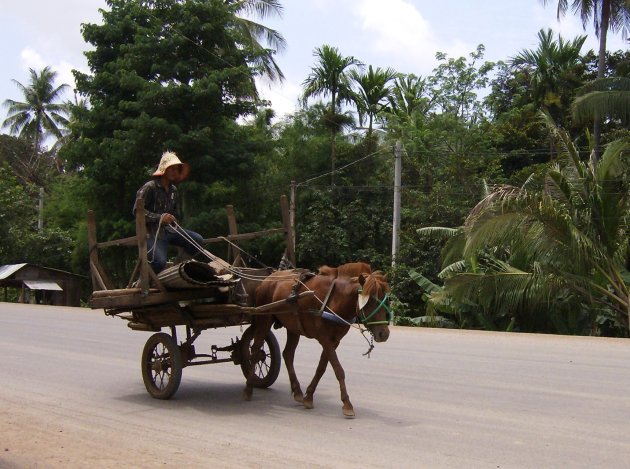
{"points": [[326, 317], [351, 269]]}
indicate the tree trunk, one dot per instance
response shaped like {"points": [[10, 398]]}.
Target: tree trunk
{"points": [[601, 69]]}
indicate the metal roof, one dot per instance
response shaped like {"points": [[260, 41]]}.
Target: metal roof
{"points": [[9, 269], [42, 285]]}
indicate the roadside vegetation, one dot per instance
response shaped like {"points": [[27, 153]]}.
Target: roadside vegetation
{"points": [[515, 205]]}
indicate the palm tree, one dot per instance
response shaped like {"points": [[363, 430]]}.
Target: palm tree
{"points": [[255, 34], [568, 241], [373, 92], [330, 76], [40, 115], [613, 15], [409, 97], [550, 69]]}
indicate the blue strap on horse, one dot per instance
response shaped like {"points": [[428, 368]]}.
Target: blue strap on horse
{"points": [[327, 314], [334, 318]]}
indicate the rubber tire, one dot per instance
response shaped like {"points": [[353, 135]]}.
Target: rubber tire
{"points": [[272, 361], [173, 371]]}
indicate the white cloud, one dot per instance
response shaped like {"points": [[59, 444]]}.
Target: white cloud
{"points": [[30, 58], [400, 34], [395, 28], [283, 97]]}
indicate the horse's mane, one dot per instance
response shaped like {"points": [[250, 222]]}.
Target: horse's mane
{"points": [[375, 284]]}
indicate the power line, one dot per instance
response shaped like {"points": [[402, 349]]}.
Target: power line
{"points": [[378, 152]]}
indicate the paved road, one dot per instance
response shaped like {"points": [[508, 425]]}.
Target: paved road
{"points": [[71, 395]]}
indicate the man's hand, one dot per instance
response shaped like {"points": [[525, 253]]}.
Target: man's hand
{"points": [[167, 219]]}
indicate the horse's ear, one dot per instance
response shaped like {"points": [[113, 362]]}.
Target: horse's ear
{"points": [[363, 300], [362, 278]]}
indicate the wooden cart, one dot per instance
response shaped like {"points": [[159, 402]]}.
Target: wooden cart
{"points": [[149, 306]]}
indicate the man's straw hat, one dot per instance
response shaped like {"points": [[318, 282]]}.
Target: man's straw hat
{"points": [[170, 159]]}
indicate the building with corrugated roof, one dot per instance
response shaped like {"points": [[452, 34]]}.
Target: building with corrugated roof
{"points": [[41, 285]]}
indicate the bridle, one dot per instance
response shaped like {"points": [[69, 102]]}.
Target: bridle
{"points": [[364, 318]]}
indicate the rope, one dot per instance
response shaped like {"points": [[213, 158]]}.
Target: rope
{"points": [[157, 234], [182, 232], [260, 278], [235, 246]]}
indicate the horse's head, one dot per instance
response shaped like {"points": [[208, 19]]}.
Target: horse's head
{"points": [[373, 305]]}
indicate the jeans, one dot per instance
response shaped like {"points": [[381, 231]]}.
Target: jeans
{"points": [[167, 237]]}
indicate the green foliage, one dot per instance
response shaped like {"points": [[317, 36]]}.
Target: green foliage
{"points": [[22, 241], [551, 71], [65, 208], [341, 225], [455, 84], [167, 75], [550, 259]]}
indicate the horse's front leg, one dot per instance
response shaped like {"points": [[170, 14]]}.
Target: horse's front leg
{"points": [[288, 354], [348, 410], [319, 372]]}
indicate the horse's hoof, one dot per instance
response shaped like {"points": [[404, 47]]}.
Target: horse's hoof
{"points": [[298, 397], [348, 413], [247, 395], [308, 403]]}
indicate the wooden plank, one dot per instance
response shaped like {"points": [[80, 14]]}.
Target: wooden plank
{"points": [[99, 277], [205, 323], [98, 283], [233, 231], [131, 292], [136, 299], [141, 234], [205, 310], [244, 236], [131, 241]]}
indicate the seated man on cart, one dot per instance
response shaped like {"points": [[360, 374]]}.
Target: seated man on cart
{"points": [[162, 211]]}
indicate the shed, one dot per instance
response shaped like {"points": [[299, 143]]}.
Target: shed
{"points": [[41, 285]]}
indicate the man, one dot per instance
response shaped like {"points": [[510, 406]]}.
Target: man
{"points": [[162, 209]]}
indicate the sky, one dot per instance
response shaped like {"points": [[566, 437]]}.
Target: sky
{"points": [[402, 34]]}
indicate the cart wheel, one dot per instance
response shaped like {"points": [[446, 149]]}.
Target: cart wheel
{"points": [[267, 367], [161, 366]]}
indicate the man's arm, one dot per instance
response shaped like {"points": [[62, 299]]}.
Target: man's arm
{"points": [[147, 194]]}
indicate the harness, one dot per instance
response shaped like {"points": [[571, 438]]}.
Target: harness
{"points": [[363, 319]]}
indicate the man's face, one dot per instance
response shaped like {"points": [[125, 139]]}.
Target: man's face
{"points": [[172, 173]]}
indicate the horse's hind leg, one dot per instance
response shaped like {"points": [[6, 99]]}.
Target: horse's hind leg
{"points": [[289, 355], [319, 372]]}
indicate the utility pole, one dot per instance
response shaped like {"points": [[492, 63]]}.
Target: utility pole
{"points": [[292, 212], [40, 210], [397, 183]]}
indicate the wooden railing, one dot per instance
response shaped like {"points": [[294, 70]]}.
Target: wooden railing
{"points": [[143, 275]]}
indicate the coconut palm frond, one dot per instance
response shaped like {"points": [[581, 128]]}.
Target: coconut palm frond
{"points": [[492, 203], [557, 186], [609, 97], [497, 230], [453, 248], [439, 231], [454, 268], [611, 165]]}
